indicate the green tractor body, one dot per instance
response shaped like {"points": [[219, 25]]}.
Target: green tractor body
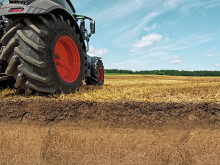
{"points": [[44, 46]]}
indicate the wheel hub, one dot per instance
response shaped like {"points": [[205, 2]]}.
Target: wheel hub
{"points": [[101, 75], [67, 59]]}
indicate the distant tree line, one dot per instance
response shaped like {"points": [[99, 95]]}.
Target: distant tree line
{"points": [[166, 72]]}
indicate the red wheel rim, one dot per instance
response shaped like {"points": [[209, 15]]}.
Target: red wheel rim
{"points": [[101, 75], [67, 59]]}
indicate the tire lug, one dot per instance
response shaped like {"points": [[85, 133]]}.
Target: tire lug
{"points": [[28, 91]]}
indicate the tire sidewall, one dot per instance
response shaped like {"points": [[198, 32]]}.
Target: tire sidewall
{"points": [[62, 85]]}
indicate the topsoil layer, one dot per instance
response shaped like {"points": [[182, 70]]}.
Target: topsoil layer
{"points": [[116, 114]]}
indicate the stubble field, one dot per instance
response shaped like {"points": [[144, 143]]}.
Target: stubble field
{"points": [[130, 120]]}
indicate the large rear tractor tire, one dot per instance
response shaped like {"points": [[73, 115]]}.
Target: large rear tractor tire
{"points": [[44, 54], [97, 73]]}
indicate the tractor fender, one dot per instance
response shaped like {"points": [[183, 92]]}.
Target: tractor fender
{"points": [[39, 7], [34, 7]]}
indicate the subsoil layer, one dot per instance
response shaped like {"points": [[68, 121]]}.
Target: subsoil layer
{"points": [[118, 114], [69, 132]]}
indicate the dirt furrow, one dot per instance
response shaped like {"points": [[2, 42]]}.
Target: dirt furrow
{"points": [[118, 114]]}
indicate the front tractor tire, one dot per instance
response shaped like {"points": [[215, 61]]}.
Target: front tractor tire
{"points": [[97, 73], [44, 54]]}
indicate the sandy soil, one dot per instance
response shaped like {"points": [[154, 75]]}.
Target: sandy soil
{"points": [[68, 132]]}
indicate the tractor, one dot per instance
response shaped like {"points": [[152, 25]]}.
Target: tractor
{"points": [[44, 47]]}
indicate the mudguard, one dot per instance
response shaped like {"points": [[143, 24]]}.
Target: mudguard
{"points": [[37, 7], [32, 7]]}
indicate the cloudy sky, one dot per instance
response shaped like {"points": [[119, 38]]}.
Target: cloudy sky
{"points": [[155, 34]]}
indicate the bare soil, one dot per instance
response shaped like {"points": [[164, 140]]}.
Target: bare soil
{"points": [[69, 132], [117, 114]]}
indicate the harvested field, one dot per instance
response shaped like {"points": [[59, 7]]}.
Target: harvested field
{"points": [[130, 120], [141, 89]]}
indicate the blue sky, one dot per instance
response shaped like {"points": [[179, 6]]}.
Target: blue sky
{"points": [[155, 34]]}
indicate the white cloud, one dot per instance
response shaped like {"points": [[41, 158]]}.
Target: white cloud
{"points": [[196, 4], [175, 57], [172, 23], [172, 3], [148, 40], [186, 42], [218, 65], [209, 55], [166, 50], [120, 8], [134, 29], [154, 26], [100, 52], [114, 65], [176, 62], [169, 57]]}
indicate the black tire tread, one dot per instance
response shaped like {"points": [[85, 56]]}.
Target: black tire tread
{"points": [[45, 22], [61, 18], [68, 22], [19, 80], [12, 65], [39, 32], [32, 75], [8, 49], [53, 19], [30, 42], [40, 88], [9, 33], [30, 59]]}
